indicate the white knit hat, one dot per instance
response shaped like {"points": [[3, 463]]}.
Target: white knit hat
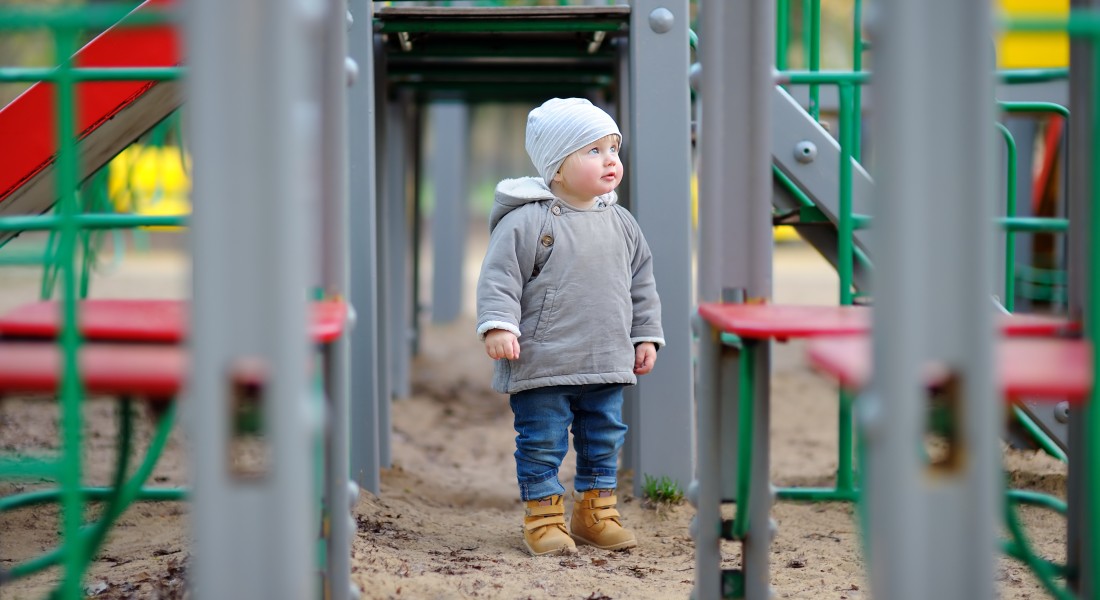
{"points": [[560, 127]]}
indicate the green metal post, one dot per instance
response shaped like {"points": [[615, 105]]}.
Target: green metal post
{"points": [[815, 56], [1092, 325], [71, 392], [745, 398], [1010, 210], [846, 95], [857, 65], [782, 33]]}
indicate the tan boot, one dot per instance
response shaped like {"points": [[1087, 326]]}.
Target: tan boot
{"points": [[596, 522], [544, 527]]}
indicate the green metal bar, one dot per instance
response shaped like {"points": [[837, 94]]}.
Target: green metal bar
{"points": [[845, 477], [817, 494], [124, 497], [91, 494], [1032, 75], [50, 265], [1037, 499], [499, 26], [115, 505], [82, 17], [844, 218], [815, 56], [89, 221], [823, 77], [28, 468], [493, 91], [1040, 275], [806, 41], [1010, 210], [795, 191], [28, 74], [782, 33], [1043, 570], [1039, 435], [71, 391], [1033, 224], [693, 39], [1083, 23], [1092, 324], [745, 400], [857, 66], [1033, 107]]}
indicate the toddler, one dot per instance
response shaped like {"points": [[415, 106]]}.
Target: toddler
{"points": [[568, 307]]}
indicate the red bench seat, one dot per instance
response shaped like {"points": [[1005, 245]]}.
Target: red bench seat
{"points": [[155, 372], [1034, 368], [150, 321], [784, 321]]}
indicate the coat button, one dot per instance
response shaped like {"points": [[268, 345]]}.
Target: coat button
{"points": [[548, 240], [556, 210]]}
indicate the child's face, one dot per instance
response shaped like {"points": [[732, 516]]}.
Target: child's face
{"points": [[593, 170]]}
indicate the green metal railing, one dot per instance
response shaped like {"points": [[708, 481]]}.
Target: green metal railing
{"points": [[1011, 224], [67, 25], [1083, 25]]}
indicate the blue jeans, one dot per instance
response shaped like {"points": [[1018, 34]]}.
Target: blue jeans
{"points": [[543, 417]]}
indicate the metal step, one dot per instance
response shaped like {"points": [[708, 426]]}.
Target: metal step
{"points": [[810, 158]]}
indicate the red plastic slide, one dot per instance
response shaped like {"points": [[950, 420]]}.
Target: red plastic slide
{"points": [[110, 114]]}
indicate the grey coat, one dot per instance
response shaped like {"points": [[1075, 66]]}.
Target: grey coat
{"points": [[575, 286]]}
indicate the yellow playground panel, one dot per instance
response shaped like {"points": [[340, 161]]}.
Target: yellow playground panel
{"points": [[150, 180], [1033, 50]]}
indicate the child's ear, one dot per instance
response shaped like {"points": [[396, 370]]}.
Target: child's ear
{"points": [[558, 176]]}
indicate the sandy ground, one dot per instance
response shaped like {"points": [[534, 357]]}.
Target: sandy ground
{"points": [[446, 523]]}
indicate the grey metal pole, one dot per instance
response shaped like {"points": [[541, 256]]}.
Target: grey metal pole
{"points": [[933, 528], [658, 146], [255, 143], [735, 180], [735, 233], [366, 390], [397, 252], [450, 221], [335, 282], [705, 493], [1079, 209]]}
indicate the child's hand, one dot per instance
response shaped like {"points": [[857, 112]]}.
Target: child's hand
{"points": [[501, 343], [645, 354]]}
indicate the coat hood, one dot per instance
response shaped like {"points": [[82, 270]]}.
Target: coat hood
{"points": [[514, 193]]}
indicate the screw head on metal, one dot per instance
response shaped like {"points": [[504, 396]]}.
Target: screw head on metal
{"points": [[693, 493], [351, 68], [805, 152], [353, 495], [1061, 412], [695, 77], [661, 20]]}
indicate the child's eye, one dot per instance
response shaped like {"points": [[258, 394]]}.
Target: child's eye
{"points": [[614, 149], [594, 151]]}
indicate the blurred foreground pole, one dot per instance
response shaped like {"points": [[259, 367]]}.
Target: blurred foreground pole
{"points": [[252, 414], [933, 523]]}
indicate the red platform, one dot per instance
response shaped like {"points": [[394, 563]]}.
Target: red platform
{"points": [[151, 321], [155, 372], [1033, 368], [784, 321]]}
